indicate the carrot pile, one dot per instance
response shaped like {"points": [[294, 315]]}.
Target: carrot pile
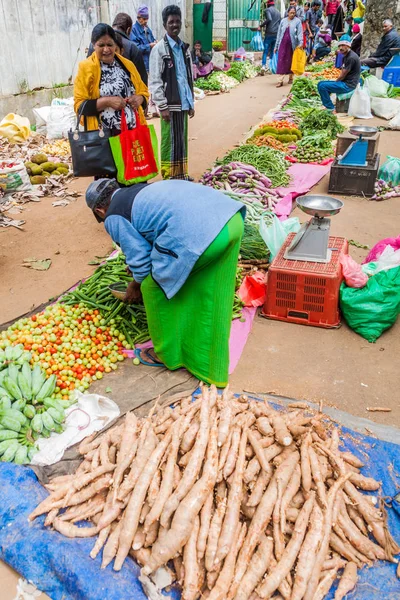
{"points": [[247, 502], [331, 74], [281, 124], [268, 140]]}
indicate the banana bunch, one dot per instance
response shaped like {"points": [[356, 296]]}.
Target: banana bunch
{"points": [[14, 355], [27, 410]]}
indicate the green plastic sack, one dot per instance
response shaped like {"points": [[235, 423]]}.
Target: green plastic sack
{"points": [[390, 171], [377, 88], [374, 308]]}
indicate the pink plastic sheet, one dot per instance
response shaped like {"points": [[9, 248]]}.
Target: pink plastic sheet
{"points": [[303, 177]]}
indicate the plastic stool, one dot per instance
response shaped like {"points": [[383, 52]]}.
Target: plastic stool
{"points": [[391, 73], [343, 102]]}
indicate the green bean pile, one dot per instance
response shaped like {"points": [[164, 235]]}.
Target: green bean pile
{"points": [[131, 319], [268, 161]]}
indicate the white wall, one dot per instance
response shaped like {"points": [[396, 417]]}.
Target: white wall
{"points": [[42, 41]]}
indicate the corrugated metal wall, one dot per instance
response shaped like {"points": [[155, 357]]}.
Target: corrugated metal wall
{"points": [[238, 14], [42, 42]]}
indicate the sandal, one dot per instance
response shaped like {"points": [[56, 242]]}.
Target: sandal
{"points": [[152, 359], [279, 84]]}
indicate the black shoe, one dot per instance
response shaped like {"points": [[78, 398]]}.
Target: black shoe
{"points": [[190, 179]]}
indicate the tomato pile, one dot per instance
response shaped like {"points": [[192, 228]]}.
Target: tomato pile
{"points": [[72, 342]]}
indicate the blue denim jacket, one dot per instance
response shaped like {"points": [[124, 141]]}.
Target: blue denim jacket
{"points": [[172, 224], [142, 39]]}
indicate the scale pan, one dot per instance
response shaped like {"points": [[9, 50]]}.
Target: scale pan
{"points": [[363, 131], [319, 206]]}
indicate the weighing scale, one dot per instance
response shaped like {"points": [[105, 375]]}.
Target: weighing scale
{"points": [[356, 153], [310, 244]]}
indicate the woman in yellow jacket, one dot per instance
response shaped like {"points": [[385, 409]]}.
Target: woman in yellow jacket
{"points": [[107, 83]]}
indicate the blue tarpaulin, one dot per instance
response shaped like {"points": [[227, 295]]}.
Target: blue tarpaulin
{"points": [[62, 567]]}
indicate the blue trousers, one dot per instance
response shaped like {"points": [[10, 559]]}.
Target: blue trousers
{"points": [[269, 47], [326, 88]]}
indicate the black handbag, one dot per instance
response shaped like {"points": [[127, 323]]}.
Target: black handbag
{"points": [[91, 151]]}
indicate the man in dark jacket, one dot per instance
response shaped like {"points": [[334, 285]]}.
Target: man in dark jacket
{"points": [[383, 53], [123, 25], [272, 18]]}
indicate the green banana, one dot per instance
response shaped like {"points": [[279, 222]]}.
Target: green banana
{"points": [[57, 415], [53, 403], [5, 403], [47, 388], [19, 404], [21, 456], [8, 434], [37, 423], [12, 372], [10, 423], [26, 373], [45, 433], [9, 352], [12, 388], [11, 451], [48, 421], [38, 379], [58, 428], [29, 411], [31, 453], [15, 414]]}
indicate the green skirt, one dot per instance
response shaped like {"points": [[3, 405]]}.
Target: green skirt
{"points": [[192, 329]]}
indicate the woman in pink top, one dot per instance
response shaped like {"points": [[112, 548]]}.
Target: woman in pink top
{"points": [[331, 9]]}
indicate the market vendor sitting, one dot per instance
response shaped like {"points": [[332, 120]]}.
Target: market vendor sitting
{"points": [[348, 78], [385, 50], [183, 264], [202, 65], [322, 45]]}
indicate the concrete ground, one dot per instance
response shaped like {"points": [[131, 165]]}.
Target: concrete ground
{"points": [[335, 366]]}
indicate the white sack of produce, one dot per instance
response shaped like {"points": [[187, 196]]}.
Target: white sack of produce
{"points": [[360, 104], [61, 118], [395, 122], [14, 177], [41, 116], [240, 497], [90, 414], [386, 108]]}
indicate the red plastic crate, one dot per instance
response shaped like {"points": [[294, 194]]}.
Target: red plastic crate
{"points": [[303, 292]]}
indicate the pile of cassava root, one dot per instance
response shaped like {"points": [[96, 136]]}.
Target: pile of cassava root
{"points": [[244, 501]]}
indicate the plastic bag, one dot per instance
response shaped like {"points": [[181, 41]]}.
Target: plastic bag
{"points": [[298, 61], [379, 247], [390, 171], [257, 43], [352, 272], [14, 177], [240, 54], [275, 232], [360, 104], [378, 88], [394, 123], [253, 289], [389, 259], [374, 308], [15, 128], [62, 118], [218, 60], [273, 64], [386, 108], [41, 116]]}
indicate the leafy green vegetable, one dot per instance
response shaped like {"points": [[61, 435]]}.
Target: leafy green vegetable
{"points": [[265, 159], [321, 120], [304, 88], [253, 246]]}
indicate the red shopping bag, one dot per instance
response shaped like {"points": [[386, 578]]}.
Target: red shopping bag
{"points": [[134, 152]]}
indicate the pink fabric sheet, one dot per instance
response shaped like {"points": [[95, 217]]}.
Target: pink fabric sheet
{"points": [[303, 177]]}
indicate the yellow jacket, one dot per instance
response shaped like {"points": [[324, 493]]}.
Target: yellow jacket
{"points": [[87, 85], [359, 12]]}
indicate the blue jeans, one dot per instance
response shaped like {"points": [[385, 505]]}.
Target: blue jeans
{"points": [[326, 88], [269, 47]]}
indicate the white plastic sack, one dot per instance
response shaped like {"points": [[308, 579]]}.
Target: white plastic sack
{"points": [[386, 108], [61, 118], [41, 118], [14, 177], [250, 56], [389, 259], [218, 60], [274, 232], [395, 122], [360, 104], [91, 413], [198, 94]]}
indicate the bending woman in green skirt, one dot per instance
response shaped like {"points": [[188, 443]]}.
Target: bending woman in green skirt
{"points": [[181, 241]]}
